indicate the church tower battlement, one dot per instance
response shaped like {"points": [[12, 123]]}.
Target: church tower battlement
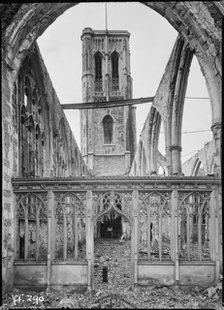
{"points": [[108, 135]]}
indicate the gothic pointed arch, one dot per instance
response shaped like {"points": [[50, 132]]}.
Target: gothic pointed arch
{"points": [[111, 204], [98, 71], [115, 70]]}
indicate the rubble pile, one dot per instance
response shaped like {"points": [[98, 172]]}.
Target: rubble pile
{"points": [[119, 291]]}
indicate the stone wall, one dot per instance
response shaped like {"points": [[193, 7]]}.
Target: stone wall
{"points": [[205, 157], [11, 153], [199, 23]]}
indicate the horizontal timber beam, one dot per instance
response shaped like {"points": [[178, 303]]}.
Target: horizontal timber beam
{"points": [[105, 104]]}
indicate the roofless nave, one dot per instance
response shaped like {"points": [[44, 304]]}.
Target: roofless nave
{"points": [[54, 196]]}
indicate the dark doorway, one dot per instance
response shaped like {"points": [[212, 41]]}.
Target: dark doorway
{"points": [[111, 228]]}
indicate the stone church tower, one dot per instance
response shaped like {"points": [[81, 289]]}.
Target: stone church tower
{"points": [[108, 135]]}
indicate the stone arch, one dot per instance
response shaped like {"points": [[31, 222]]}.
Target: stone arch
{"points": [[20, 36], [206, 46], [111, 202], [183, 67]]}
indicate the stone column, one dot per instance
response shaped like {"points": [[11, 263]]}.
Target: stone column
{"points": [[134, 237], [176, 159], [168, 160], [174, 204], [172, 231], [211, 226], [216, 130], [134, 130], [50, 208], [219, 208], [90, 160], [214, 205], [127, 160], [89, 239]]}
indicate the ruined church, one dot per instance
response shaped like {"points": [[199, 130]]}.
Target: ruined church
{"points": [[58, 200]]}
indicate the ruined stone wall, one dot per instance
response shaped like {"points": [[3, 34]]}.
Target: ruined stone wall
{"points": [[11, 150], [205, 156], [199, 22]]}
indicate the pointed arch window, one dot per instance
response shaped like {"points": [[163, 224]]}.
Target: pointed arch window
{"points": [[98, 72], [108, 129], [115, 70]]}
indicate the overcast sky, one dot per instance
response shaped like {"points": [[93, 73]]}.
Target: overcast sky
{"points": [[151, 42]]}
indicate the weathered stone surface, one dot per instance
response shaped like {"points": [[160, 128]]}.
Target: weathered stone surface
{"points": [[7, 193], [199, 24], [205, 158], [7, 178]]}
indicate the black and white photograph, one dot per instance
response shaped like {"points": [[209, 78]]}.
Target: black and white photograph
{"points": [[111, 155]]}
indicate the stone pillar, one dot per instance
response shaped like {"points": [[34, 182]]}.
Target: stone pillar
{"points": [[172, 231], [216, 239], [219, 208], [134, 237], [127, 160], [216, 130], [211, 225], [90, 160], [133, 129], [89, 239], [174, 204], [168, 160], [50, 208], [176, 159]]}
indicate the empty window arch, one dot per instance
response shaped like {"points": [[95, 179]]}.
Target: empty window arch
{"points": [[98, 71], [108, 129], [115, 70]]}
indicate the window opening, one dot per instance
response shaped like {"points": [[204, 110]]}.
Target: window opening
{"points": [[108, 129], [115, 71], [98, 72]]}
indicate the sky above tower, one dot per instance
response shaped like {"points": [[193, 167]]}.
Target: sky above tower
{"points": [[151, 42]]}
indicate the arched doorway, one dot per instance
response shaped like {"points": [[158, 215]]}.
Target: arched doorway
{"points": [[112, 239]]}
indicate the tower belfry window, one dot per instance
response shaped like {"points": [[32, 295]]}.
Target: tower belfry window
{"points": [[108, 129], [98, 72], [115, 70]]}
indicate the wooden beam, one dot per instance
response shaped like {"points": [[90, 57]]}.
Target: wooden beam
{"points": [[105, 104]]}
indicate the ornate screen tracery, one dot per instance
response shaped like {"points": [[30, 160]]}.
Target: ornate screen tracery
{"points": [[194, 226], [154, 226], [32, 227], [70, 230]]}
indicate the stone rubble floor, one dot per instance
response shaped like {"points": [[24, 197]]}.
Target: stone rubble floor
{"points": [[119, 291]]}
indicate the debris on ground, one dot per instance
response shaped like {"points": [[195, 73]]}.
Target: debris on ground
{"points": [[119, 291]]}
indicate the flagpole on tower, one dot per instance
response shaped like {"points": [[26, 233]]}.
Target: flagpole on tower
{"points": [[106, 15]]}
